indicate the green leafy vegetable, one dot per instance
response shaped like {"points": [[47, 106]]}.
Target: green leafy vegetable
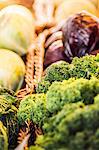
{"points": [[33, 107]]}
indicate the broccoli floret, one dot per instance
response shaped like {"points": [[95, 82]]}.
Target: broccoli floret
{"points": [[33, 108], [43, 86], [58, 71], [76, 127], [85, 67], [71, 91]]}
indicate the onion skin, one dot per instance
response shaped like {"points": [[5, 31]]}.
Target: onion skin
{"points": [[12, 70]]}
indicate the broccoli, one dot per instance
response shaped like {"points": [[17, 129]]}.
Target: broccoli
{"points": [[75, 127], [3, 137], [33, 108], [71, 91], [85, 67]]}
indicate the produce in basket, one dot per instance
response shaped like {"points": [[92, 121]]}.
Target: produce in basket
{"points": [[12, 70], [3, 137], [70, 7], [16, 28], [77, 36]]}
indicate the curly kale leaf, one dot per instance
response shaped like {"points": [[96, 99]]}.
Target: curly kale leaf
{"points": [[75, 127], [71, 91], [57, 72], [43, 86], [85, 67], [33, 107]]}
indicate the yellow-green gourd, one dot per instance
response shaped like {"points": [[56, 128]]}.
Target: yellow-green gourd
{"points": [[12, 70], [17, 28]]}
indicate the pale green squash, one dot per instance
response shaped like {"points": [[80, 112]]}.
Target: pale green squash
{"points": [[16, 28], [12, 70]]}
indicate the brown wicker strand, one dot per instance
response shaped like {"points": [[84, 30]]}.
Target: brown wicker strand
{"points": [[44, 14], [29, 77], [21, 93], [39, 56], [23, 134]]}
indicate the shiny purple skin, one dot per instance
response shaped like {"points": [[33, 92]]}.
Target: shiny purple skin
{"points": [[54, 53], [80, 34]]}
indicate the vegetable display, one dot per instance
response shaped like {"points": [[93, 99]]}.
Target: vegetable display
{"points": [[12, 70], [49, 75], [16, 29]]}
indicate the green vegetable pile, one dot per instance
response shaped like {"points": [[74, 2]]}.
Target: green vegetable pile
{"points": [[84, 67], [76, 126], [66, 106], [71, 91], [40, 107]]}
